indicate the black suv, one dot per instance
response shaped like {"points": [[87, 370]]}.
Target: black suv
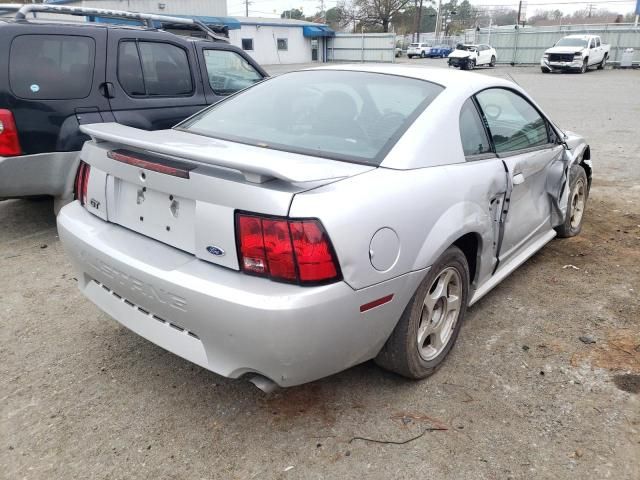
{"points": [[56, 76]]}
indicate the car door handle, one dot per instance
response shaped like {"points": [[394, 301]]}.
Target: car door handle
{"points": [[518, 178], [107, 90]]}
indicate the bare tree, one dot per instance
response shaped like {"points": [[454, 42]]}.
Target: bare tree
{"points": [[379, 12]]}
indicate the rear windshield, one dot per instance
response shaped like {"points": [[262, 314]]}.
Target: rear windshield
{"points": [[51, 67], [343, 115], [571, 42], [414, 45]]}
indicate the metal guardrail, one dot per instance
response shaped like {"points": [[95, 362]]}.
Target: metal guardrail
{"points": [[147, 19]]}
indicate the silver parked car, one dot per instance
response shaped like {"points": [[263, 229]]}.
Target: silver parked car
{"points": [[322, 218]]}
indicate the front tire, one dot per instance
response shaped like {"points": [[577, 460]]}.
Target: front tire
{"points": [[585, 65], [602, 63], [577, 203], [545, 70], [493, 61], [430, 324], [423, 55]]}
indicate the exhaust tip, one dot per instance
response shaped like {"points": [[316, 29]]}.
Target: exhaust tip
{"points": [[264, 384]]}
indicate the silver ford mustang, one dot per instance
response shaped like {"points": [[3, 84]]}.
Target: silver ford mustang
{"points": [[322, 218]]}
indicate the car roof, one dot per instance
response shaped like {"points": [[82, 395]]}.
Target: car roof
{"points": [[93, 25], [448, 78], [581, 37]]}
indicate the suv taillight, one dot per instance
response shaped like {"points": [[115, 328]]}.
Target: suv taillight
{"points": [[296, 251], [9, 142], [82, 181]]}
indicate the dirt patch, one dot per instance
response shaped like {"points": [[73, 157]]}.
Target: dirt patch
{"points": [[305, 401], [621, 351]]}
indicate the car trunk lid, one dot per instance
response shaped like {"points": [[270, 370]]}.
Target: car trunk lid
{"points": [[184, 189]]}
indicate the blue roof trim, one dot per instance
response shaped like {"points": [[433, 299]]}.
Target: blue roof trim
{"points": [[321, 31]]}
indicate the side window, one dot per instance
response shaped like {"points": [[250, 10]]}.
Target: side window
{"points": [[513, 122], [472, 133], [51, 67], [129, 69], [283, 44], [247, 43], [165, 68], [228, 72], [153, 69], [597, 41]]}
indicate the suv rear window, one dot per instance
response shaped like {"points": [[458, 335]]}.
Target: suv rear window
{"points": [[51, 67], [164, 70]]}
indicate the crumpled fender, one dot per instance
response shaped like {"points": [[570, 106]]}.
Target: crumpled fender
{"points": [[559, 175]]}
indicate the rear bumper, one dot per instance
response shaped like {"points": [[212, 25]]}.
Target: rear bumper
{"points": [[39, 174], [221, 319]]}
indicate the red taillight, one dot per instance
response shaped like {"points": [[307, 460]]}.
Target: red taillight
{"points": [[82, 182], [313, 251], [9, 142], [297, 251]]}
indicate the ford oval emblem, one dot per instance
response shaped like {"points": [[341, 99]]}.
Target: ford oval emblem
{"points": [[218, 252]]}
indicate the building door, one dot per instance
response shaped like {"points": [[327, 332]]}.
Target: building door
{"points": [[314, 49]]}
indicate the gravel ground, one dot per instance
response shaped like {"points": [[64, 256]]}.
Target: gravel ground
{"points": [[520, 396]]}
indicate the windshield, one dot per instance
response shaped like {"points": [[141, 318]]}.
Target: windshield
{"points": [[470, 48], [342, 115], [571, 42]]}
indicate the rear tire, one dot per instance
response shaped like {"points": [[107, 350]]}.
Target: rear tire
{"points": [[578, 196], [493, 61], [430, 324], [423, 55]]}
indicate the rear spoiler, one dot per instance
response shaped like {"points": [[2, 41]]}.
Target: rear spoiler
{"points": [[257, 164]]}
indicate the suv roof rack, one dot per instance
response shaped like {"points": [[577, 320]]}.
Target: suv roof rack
{"points": [[147, 18]]}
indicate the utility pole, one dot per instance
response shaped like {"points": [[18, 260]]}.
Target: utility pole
{"points": [[418, 19], [438, 20], [246, 8], [416, 34], [591, 6]]}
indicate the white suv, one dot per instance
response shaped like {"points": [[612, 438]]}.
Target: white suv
{"points": [[418, 50]]}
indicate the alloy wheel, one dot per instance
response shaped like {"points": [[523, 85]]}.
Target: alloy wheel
{"points": [[577, 204], [440, 313]]}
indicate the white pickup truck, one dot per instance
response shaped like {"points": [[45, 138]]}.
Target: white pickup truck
{"points": [[575, 52]]}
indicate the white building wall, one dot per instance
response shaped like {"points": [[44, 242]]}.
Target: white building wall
{"points": [[213, 8], [265, 50]]}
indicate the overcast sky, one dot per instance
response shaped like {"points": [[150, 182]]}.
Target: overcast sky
{"points": [[273, 8]]}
